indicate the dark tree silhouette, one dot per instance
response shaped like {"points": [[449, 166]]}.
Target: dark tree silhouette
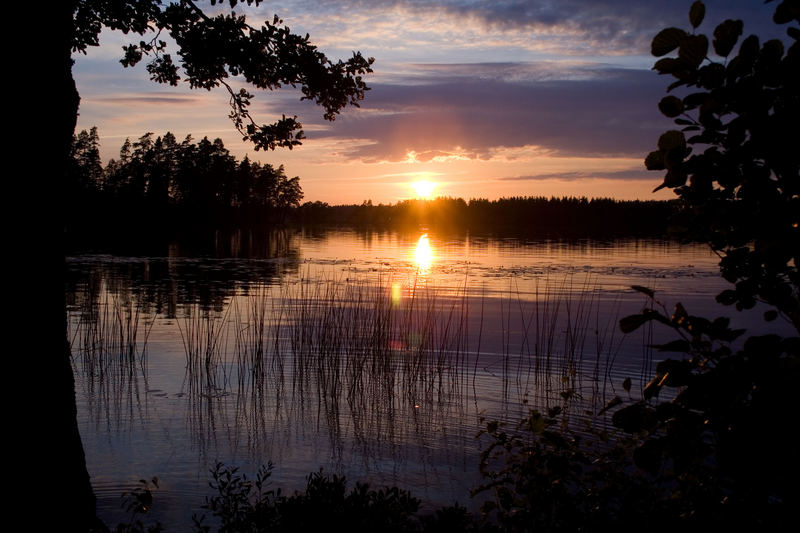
{"points": [[86, 172], [737, 172], [175, 185], [210, 50], [721, 441]]}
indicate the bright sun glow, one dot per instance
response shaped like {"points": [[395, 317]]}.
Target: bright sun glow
{"points": [[423, 254], [424, 189]]}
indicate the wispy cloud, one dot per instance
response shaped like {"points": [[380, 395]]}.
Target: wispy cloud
{"points": [[632, 174], [563, 27], [150, 99]]}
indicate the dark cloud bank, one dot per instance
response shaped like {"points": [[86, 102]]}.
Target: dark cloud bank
{"points": [[613, 114], [622, 24]]}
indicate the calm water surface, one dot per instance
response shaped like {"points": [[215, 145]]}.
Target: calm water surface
{"points": [[372, 355]]}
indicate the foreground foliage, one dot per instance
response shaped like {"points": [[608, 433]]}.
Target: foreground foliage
{"points": [[248, 505], [211, 50], [543, 475], [721, 441], [137, 503], [242, 505], [734, 162]]}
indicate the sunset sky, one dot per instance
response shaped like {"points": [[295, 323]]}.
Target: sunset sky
{"points": [[486, 99]]}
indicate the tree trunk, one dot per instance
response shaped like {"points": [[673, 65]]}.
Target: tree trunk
{"points": [[59, 492]]}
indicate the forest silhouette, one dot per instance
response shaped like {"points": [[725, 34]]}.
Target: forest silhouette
{"points": [[158, 182]]}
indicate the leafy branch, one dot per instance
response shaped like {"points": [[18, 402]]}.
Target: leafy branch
{"points": [[733, 162], [213, 49]]}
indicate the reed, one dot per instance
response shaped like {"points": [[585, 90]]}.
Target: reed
{"points": [[204, 335], [108, 334], [105, 332], [368, 359]]}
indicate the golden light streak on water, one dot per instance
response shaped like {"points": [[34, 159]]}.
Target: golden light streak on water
{"points": [[397, 294], [423, 254]]}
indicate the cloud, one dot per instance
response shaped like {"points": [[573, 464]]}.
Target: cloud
{"points": [[612, 113], [508, 71], [152, 99], [630, 174], [568, 26], [604, 18]]}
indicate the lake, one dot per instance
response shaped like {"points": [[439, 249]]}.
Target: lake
{"points": [[369, 354]]}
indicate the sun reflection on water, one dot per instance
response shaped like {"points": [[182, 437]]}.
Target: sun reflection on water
{"points": [[397, 294], [423, 254]]}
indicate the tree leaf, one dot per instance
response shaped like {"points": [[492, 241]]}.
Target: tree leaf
{"points": [[666, 41], [711, 76], [673, 346], [644, 290], [655, 160], [696, 13], [675, 177], [771, 52], [680, 314], [671, 139], [634, 418], [671, 106], [726, 35], [748, 52], [693, 49], [727, 297], [670, 65], [631, 323], [785, 12]]}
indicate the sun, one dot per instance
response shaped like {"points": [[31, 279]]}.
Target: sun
{"points": [[424, 189]]}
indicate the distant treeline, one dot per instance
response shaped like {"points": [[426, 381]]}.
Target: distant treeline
{"points": [[532, 215], [160, 184], [158, 181]]}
